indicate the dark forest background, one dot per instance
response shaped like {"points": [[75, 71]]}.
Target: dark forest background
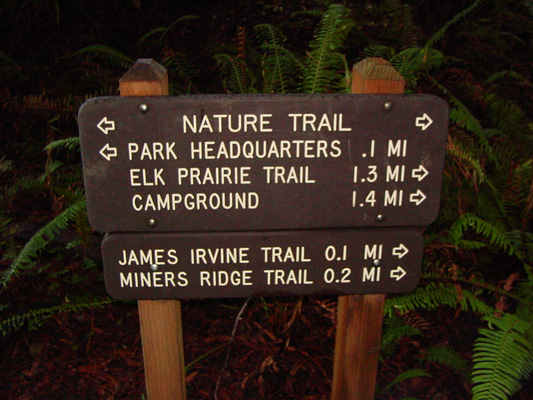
{"points": [[465, 332]]}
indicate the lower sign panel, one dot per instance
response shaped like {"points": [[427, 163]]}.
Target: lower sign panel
{"points": [[274, 263]]}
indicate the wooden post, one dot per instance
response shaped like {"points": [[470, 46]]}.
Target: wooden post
{"points": [[161, 331], [360, 317]]}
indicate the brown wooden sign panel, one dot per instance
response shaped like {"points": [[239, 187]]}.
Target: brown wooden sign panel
{"points": [[242, 264], [222, 163]]}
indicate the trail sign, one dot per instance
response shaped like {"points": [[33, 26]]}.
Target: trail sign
{"points": [[242, 264], [220, 163]]}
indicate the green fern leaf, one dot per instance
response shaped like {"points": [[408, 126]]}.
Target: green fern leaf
{"points": [[39, 241], [456, 19], [36, 317], [280, 67], [503, 355], [238, 78], [324, 65], [409, 374], [436, 295], [164, 30], [494, 235], [180, 67], [468, 163], [72, 143], [393, 330], [115, 56], [378, 50], [447, 356], [411, 62]]}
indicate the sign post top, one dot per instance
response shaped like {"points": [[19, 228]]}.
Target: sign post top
{"points": [[145, 77], [376, 75]]}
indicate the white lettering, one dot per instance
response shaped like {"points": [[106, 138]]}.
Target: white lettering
{"points": [[260, 149], [214, 176], [223, 255], [290, 277], [277, 174], [227, 122], [224, 278], [284, 255]]}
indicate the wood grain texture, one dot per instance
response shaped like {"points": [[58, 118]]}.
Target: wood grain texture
{"points": [[160, 320], [162, 341], [374, 76], [360, 317], [145, 78]]}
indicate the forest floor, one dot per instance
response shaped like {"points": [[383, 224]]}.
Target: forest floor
{"points": [[283, 348]]}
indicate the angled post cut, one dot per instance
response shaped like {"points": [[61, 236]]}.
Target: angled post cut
{"points": [[160, 320], [360, 317]]}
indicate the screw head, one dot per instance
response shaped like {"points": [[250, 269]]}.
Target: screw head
{"points": [[380, 218], [377, 263], [387, 106], [151, 222], [143, 108], [154, 267]]}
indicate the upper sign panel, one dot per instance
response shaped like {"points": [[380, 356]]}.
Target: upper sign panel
{"points": [[218, 163]]}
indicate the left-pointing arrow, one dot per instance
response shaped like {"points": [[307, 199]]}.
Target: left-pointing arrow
{"points": [[417, 197], [398, 273], [108, 152], [106, 125]]}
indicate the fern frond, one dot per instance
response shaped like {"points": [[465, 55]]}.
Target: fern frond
{"points": [[164, 30], [410, 63], [409, 374], [393, 330], [506, 74], [37, 317], [180, 67], [324, 65], [72, 143], [494, 235], [436, 295], [308, 13], [503, 114], [404, 24], [377, 50], [44, 104], [463, 118], [503, 355], [280, 67], [456, 19], [238, 78], [111, 54], [39, 241], [479, 286], [469, 165], [447, 356]]}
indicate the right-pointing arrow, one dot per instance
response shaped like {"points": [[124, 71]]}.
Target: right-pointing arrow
{"points": [[108, 152], [398, 273], [423, 122], [419, 173], [417, 197], [400, 250]]}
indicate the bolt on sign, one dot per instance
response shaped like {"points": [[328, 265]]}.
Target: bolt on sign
{"points": [[274, 263], [252, 163]]}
